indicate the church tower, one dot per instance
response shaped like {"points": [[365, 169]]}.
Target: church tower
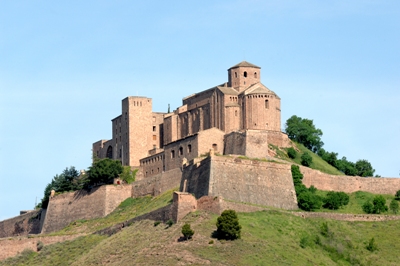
{"points": [[242, 75]]}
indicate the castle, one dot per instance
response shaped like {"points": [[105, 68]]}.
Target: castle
{"points": [[241, 116]]}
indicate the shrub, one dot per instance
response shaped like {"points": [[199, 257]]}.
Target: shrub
{"points": [[397, 195], [308, 201], [335, 200], [394, 206], [187, 231], [170, 222], [296, 175], [39, 245], [228, 226], [156, 223], [368, 207], [312, 189], [291, 152], [379, 204], [306, 159], [372, 246], [325, 231], [211, 242]]}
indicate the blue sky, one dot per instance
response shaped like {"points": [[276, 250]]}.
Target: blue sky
{"points": [[65, 67]]}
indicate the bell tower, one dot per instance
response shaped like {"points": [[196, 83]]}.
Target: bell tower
{"points": [[243, 75]]}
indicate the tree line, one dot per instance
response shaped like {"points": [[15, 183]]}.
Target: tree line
{"points": [[303, 130]]}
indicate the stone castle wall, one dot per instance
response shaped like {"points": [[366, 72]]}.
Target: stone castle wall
{"points": [[349, 184], [28, 223], [157, 184], [68, 207], [263, 183]]}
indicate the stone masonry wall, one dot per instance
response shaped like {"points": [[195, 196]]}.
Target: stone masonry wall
{"points": [[263, 183], [157, 184], [68, 207], [11, 247], [349, 184], [28, 223]]}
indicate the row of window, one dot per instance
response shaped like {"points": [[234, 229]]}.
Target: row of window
{"points": [[180, 151], [245, 74]]}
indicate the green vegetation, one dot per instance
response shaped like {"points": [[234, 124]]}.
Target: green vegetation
{"points": [[128, 175], [187, 231], [292, 153], [104, 171], [377, 206], [228, 226], [397, 195], [335, 200], [67, 181], [394, 206], [303, 131], [306, 159]]}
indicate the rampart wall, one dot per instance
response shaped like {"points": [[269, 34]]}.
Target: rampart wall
{"points": [[157, 184], [349, 184], [11, 247], [252, 181], [28, 223], [68, 207]]}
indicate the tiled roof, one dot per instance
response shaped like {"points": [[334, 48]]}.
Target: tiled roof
{"points": [[244, 64]]}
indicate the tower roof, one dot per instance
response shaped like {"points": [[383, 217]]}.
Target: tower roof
{"points": [[244, 64]]}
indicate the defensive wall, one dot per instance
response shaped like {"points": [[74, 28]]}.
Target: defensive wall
{"points": [[24, 224], [157, 184], [98, 202], [349, 184], [241, 180], [11, 247]]}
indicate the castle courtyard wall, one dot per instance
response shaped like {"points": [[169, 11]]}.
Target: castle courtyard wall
{"points": [[349, 184]]}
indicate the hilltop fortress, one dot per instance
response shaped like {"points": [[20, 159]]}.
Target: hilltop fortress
{"points": [[241, 116], [206, 147]]}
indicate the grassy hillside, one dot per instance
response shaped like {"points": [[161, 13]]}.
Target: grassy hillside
{"points": [[268, 238], [317, 162]]}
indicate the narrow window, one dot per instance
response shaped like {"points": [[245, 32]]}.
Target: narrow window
{"points": [[245, 74], [235, 74], [266, 104], [189, 148], [215, 147], [154, 137], [180, 150], [255, 74], [154, 128], [235, 112], [173, 154]]}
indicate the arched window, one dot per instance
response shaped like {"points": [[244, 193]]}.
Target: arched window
{"points": [[109, 152], [255, 74], [245, 74], [235, 74], [215, 147], [180, 150], [266, 104]]}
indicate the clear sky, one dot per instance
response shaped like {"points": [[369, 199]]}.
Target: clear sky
{"points": [[65, 66]]}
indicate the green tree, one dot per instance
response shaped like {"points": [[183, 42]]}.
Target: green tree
{"points": [[291, 153], [394, 206], [128, 175], [368, 207], [364, 168], [228, 226], [347, 167], [303, 131], [187, 231], [104, 171], [306, 159]]}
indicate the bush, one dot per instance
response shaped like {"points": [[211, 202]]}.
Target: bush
{"points": [[335, 200], [394, 206], [377, 206], [291, 152], [368, 207], [187, 231], [156, 223], [170, 222], [397, 195], [39, 245], [372, 246], [228, 226], [308, 201], [296, 175], [306, 159]]}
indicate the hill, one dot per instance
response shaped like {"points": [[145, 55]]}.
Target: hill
{"points": [[270, 237]]}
